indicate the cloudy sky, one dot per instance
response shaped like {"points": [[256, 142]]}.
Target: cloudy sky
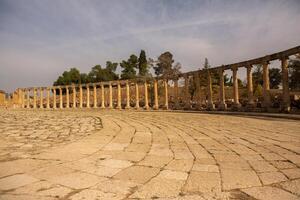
{"points": [[39, 39]]}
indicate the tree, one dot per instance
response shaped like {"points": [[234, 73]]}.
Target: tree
{"points": [[129, 67], [68, 77], [164, 66], [143, 64], [84, 78], [294, 72], [98, 74]]}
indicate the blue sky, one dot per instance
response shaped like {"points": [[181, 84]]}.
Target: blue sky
{"points": [[39, 39]]}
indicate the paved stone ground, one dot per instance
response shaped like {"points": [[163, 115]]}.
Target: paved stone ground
{"points": [[147, 155]]}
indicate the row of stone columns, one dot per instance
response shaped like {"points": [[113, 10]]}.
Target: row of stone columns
{"points": [[210, 104], [26, 102], [266, 87]]}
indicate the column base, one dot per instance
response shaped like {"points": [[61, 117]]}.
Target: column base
{"points": [[236, 106], [250, 106], [285, 107], [146, 107], [155, 107], [222, 106], [210, 106]]}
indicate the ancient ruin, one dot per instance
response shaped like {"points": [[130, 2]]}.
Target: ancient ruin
{"points": [[127, 94]]}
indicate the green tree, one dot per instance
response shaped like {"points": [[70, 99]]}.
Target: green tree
{"points": [[294, 72], [84, 78], [165, 66], [129, 67], [98, 74], [143, 64], [68, 77]]}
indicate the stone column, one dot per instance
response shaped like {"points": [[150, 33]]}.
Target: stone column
{"points": [[155, 107], [176, 97], [250, 87], [210, 104], [285, 85], [222, 104], [95, 95], [23, 98], [119, 104], [87, 95], [110, 96], [137, 97], [48, 98], [186, 92], [166, 95], [41, 98], [102, 96], [198, 89], [127, 95], [146, 95], [60, 98], [80, 96], [34, 97], [74, 95], [28, 98], [54, 98], [236, 104], [266, 86], [67, 97]]}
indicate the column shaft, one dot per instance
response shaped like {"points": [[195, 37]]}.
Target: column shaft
{"points": [[34, 97], [156, 106], [137, 97], [48, 98], [146, 95], [67, 97], [60, 98], [28, 98], [23, 98], [74, 96], [235, 89], [41, 98], [95, 95], [250, 87], [266, 86], [176, 96], [88, 96], [80, 96], [110, 96], [222, 104], [54, 98], [186, 92], [119, 104], [102, 96], [127, 95], [166, 95], [210, 104], [285, 85]]}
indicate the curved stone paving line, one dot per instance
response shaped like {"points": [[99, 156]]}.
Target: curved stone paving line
{"points": [[147, 155]]}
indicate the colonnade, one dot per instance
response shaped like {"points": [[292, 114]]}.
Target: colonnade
{"points": [[59, 92], [36, 98]]}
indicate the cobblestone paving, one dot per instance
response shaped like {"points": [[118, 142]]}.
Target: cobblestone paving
{"points": [[93, 154]]}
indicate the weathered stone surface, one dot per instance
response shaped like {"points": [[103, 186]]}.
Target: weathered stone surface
{"points": [[269, 193], [105, 154], [15, 181]]}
